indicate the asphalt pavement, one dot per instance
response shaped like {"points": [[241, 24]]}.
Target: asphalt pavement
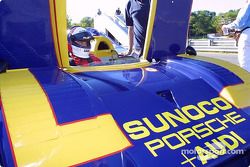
{"points": [[230, 57]]}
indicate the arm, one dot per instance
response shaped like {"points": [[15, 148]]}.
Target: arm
{"points": [[130, 24], [130, 39], [241, 20]]}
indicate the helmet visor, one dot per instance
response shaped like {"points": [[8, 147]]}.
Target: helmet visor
{"points": [[83, 44], [83, 36]]}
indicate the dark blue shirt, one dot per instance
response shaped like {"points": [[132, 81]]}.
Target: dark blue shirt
{"points": [[136, 13]]}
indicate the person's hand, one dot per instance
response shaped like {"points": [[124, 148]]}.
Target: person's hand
{"points": [[224, 29]]}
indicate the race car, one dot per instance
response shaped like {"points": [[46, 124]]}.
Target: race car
{"points": [[181, 110]]}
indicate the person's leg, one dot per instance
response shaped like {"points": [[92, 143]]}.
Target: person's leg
{"points": [[244, 50]]}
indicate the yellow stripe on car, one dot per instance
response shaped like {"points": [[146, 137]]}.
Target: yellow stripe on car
{"points": [[38, 140]]}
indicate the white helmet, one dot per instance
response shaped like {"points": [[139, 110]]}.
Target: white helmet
{"points": [[80, 41]]}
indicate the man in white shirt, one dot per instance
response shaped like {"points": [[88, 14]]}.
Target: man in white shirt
{"points": [[242, 23]]}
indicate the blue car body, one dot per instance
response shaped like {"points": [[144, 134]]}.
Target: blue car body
{"points": [[181, 111]]}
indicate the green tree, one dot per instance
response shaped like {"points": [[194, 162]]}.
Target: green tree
{"points": [[69, 22], [201, 23], [224, 18], [205, 22], [87, 22], [230, 16]]}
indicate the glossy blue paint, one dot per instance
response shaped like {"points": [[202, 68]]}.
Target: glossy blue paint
{"points": [[71, 98], [247, 110], [166, 76], [217, 76], [25, 34], [139, 98], [143, 83], [81, 91], [113, 160], [142, 93], [170, 28], [128, 95]]}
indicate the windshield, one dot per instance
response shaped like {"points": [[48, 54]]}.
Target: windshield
{"points": [[116, 35]]}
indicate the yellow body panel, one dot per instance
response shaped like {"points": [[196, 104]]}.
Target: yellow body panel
{"points": [[36, 137], [97, 51], [59, 29], [150, 27]]}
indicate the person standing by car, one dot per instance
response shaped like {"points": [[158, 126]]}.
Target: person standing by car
{"points": [[242, 24], [136, 16]]}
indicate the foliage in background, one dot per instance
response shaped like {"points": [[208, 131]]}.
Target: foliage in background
{"points": [[69, 22], [206, 22], [224, 18], [201, 22], [85, 22]]}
